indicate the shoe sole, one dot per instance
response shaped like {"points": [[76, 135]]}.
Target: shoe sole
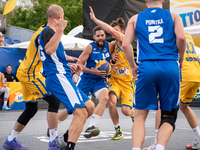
{"points": [[94, 132], [10, 148], [117, 138]]}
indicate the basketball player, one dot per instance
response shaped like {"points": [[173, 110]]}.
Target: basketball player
{"points": [[33, 89], [121, 83], [161, 43], [91, 79], [190, 82], [58, 74]]}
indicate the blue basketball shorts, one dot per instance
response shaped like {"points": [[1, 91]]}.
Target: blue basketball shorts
{"points": [[90, 85], [157, 76], [63, 87]]}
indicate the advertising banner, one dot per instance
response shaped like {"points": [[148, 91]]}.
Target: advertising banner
{"points": [[15, 96], [188, 10]]}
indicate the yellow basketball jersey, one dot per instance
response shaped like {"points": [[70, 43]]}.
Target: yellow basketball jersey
{"points": [[123, 71], [31, 65], [191, 68]]}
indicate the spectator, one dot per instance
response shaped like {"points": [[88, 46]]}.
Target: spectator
{"points": [[4, 89], [1, 39], [9, 77]]}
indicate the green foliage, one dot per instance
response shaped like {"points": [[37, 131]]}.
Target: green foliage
{"points": [[34, 17]]}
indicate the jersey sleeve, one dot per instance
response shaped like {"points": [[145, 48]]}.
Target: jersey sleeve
{"points": [[47, 35]]}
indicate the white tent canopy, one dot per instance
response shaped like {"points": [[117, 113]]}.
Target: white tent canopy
{"points": [[193, 30], [69, 43]]}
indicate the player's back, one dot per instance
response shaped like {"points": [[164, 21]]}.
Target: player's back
{"points": [[31, 65], [156, 37], [191, 69]]}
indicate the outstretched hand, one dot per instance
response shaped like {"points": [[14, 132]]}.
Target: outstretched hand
{"points": [[92, 15], [70, 58]]}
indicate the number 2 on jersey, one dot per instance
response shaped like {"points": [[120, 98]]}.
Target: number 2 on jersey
{"points": [[155, 33]]}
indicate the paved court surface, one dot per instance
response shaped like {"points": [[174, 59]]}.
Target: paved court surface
{"points": [[34, 135]]}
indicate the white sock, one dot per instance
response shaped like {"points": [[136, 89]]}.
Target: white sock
{"points": [[53, 134], [5, 103], [12, 135], [196, 133], [94, 120], [156, 131], [116, 126], [160, 147], [59, 121], [134, 148]]}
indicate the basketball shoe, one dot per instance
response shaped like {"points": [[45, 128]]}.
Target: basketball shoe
{"points": [[91, 131], [14, 145], [118, 134], [193, 145]]}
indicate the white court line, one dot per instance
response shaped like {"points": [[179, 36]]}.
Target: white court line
{"points": [[104, 136]]}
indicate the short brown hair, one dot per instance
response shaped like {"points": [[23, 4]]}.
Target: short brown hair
{"points": [[119, 22], [97, 28]]}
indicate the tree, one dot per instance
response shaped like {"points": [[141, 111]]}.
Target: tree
{"points": [[33, 18]]}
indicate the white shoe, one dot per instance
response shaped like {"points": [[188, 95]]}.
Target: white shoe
{"points": [[193, 145], [5, 108], [151, 147]]}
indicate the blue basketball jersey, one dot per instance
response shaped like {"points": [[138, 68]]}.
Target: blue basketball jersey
{"points": [[95, 56], [157, 41], [55, 63]]}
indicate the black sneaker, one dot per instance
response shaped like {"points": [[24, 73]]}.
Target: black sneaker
{"points": [[91, 131]]}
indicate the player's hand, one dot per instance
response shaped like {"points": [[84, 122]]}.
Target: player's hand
{"points": [[114, 57], [78, 69], [99, 73], [134, 73], [61, 23], [70, 58], [92, 16], [113, 66]]}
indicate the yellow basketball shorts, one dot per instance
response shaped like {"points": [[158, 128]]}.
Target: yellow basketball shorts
{"points": [[32, 90], [124, 89], [188, 91]]}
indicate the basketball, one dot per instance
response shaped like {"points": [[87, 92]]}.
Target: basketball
{"points": [[104, 66]]}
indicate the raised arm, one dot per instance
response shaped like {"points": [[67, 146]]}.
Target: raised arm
{"points": [[180, 37], [53, 43], [126, 45], [119, 36]]}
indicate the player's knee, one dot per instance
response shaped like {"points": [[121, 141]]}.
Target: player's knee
{"points": [[104, 100], [111, 104], [183, 107], [81, 113], [126, 110], [30, 110], [54, 103], [90, 107], [169, 117]]}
